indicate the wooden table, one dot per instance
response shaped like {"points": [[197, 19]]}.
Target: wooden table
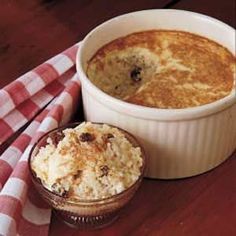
{"points": [[32, 31]]}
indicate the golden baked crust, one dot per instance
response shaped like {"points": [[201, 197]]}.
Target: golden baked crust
{"points": [[163, 69]]}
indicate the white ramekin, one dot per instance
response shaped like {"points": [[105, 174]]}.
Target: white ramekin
{"points": [[179, 142]]}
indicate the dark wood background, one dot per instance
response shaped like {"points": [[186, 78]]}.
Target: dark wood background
{"points": [[32, 31]]}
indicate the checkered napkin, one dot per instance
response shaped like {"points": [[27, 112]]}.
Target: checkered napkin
{"points": [[43, 98]]}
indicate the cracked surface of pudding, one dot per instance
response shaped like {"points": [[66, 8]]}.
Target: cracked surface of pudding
{"points": [[91, 161], [164, 69]]}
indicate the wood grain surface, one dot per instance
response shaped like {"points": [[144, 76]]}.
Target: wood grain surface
{"points": [[32, 31]]}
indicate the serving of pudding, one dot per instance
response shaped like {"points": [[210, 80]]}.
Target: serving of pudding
{"points": [[163, 69], [90, 161], [87, 172]]}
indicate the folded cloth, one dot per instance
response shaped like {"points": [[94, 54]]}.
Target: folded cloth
{"points": [[15, 97], [12, 154], [26, 110], [32, 82], [22, 212]]}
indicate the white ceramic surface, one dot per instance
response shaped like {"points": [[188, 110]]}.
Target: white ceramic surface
{"points": [[179, 142]]}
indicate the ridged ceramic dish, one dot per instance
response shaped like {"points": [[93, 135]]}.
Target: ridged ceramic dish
{"points": [[179, 142]]}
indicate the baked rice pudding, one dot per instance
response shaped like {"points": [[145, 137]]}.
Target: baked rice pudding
{"points": [[91, 161], [164, 69]]}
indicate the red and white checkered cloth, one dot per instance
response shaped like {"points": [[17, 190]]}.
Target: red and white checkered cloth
{"points": [[55, 83]]}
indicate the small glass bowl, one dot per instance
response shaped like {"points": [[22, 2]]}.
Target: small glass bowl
{"points": [[84, 214]]}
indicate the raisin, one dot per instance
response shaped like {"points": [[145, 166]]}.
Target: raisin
{"points": [[78, 174], [135, 74], [56, 137], [104, 169], [109, 135], [86, 137], [56, 188]]}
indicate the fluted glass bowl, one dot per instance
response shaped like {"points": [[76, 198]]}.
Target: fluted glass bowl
{"points": [[84, 214]]}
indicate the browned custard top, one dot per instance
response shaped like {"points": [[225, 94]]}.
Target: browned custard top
{"points": [[164, 69]]}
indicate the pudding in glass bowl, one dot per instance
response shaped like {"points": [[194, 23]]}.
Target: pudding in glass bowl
{"points": [[87, 172]]}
